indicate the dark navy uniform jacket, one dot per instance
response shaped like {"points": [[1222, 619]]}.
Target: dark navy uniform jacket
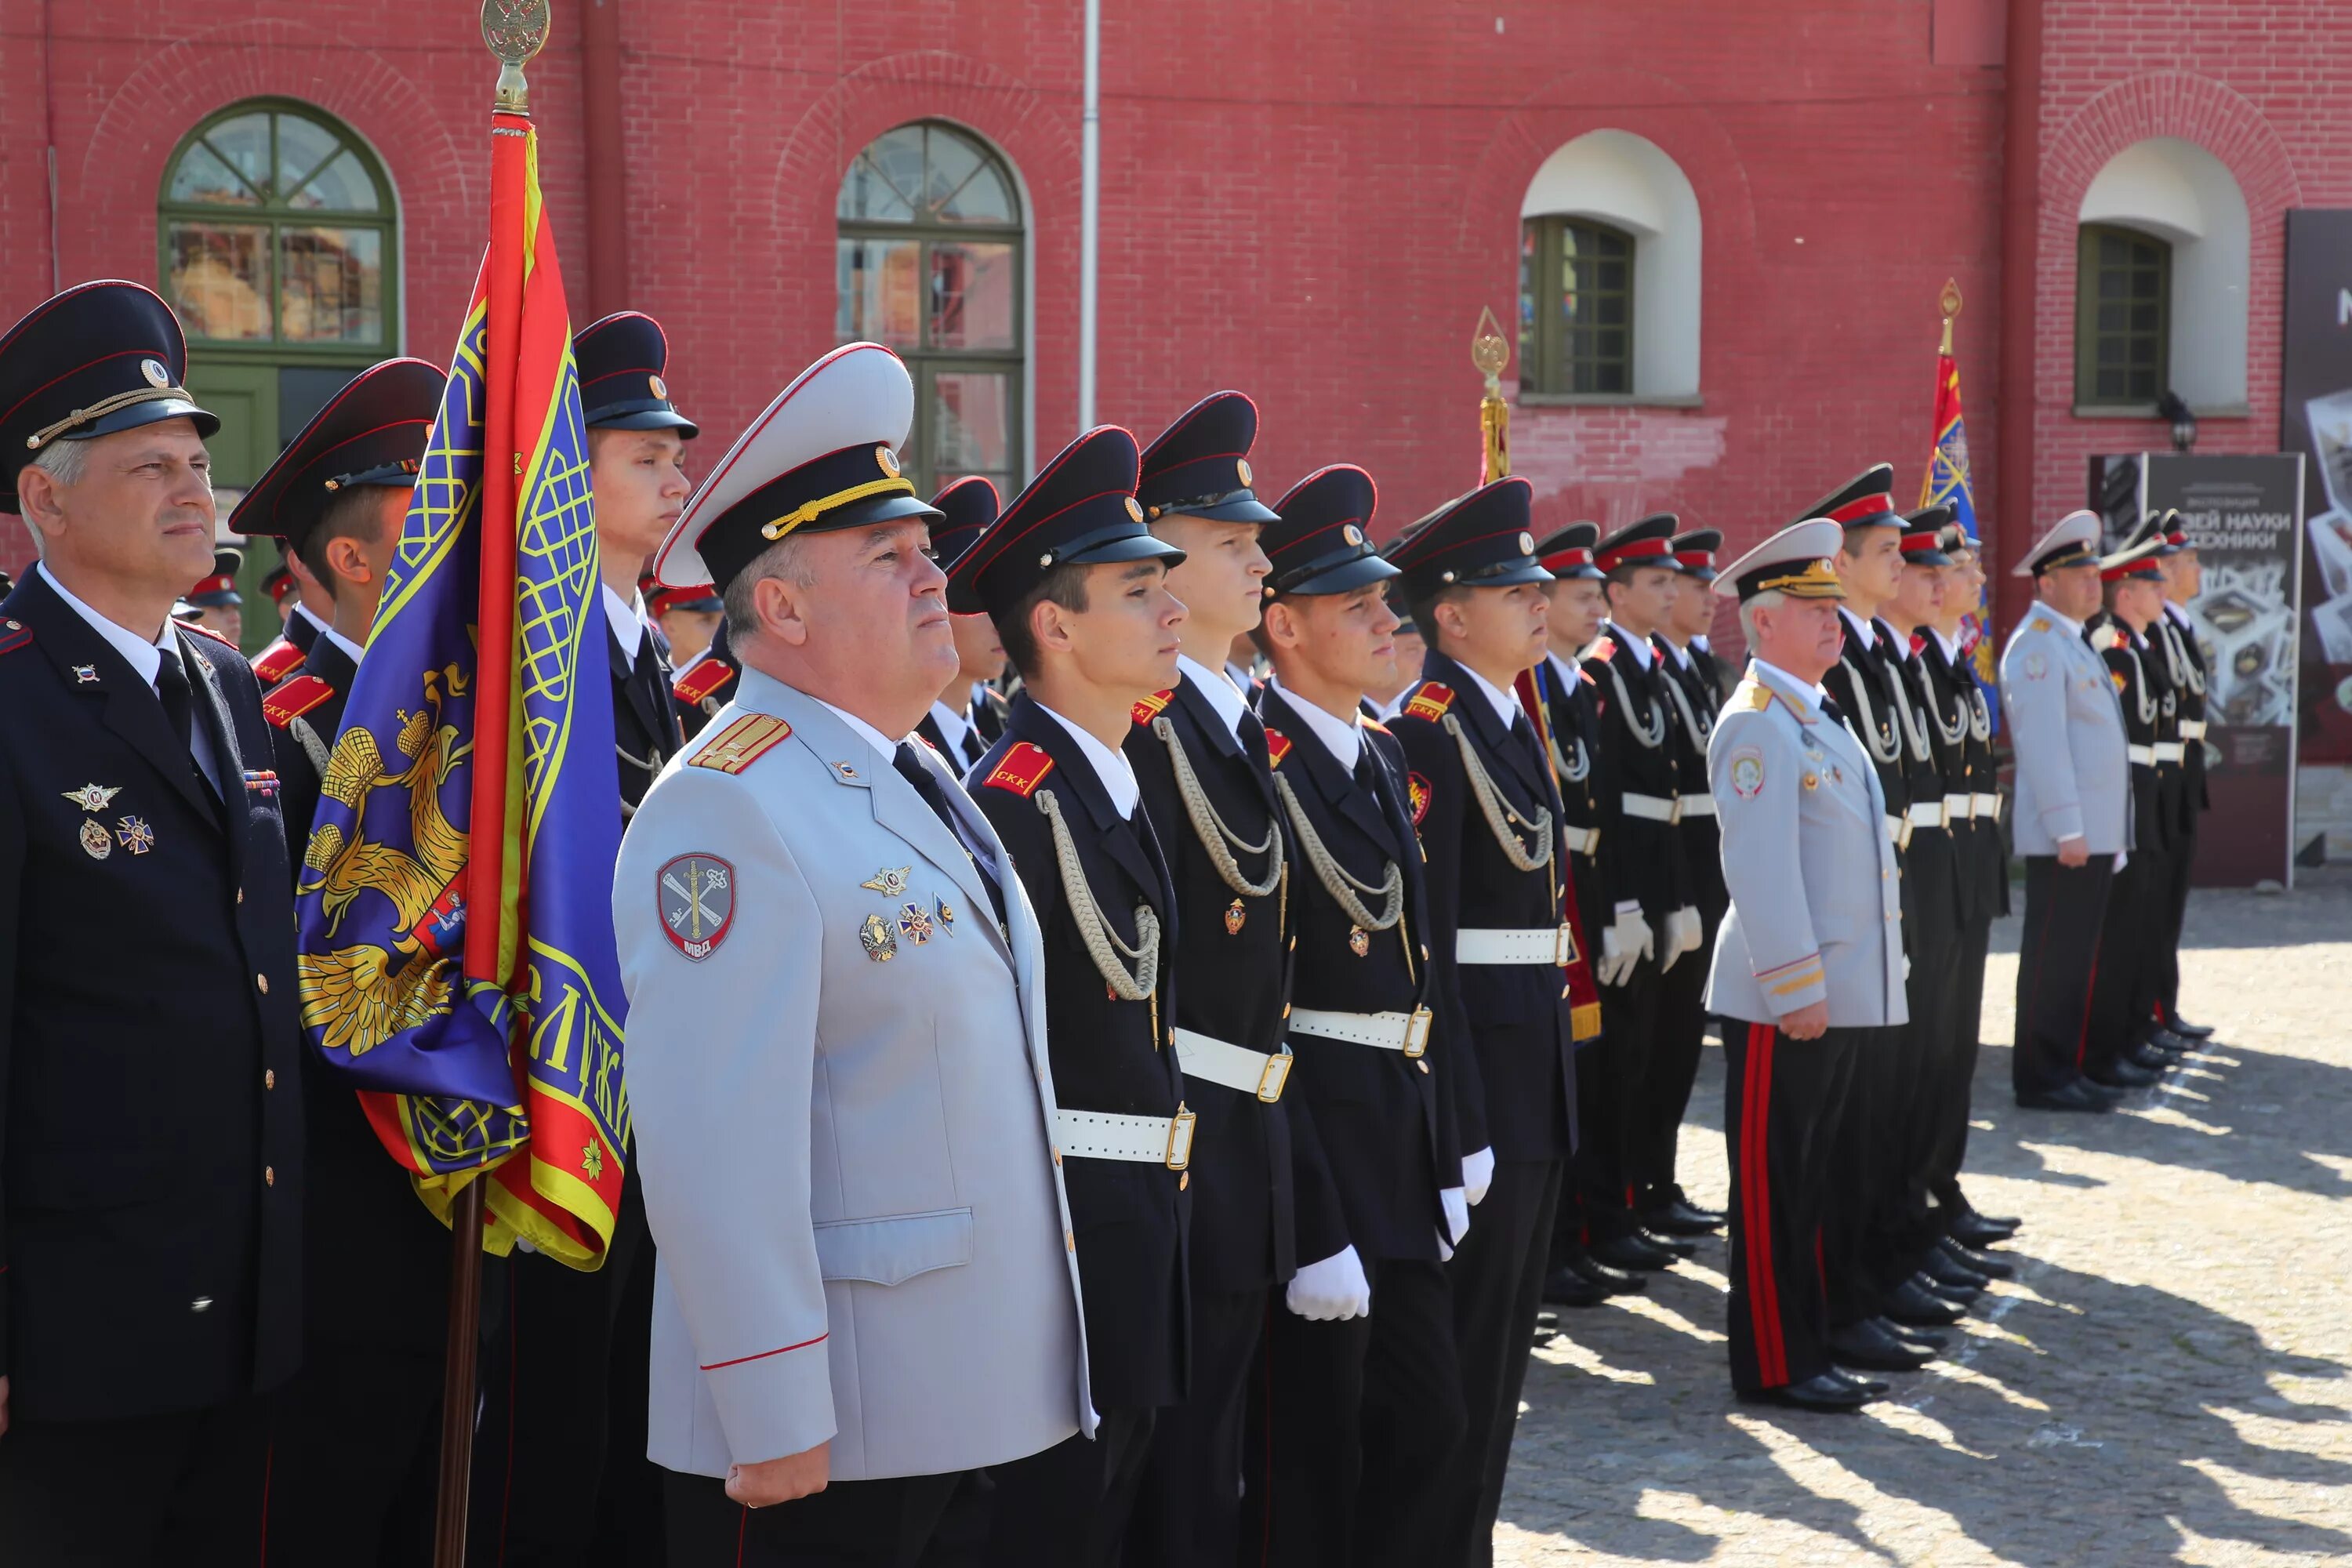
{"points": [[151, 1181], [644, 726]]}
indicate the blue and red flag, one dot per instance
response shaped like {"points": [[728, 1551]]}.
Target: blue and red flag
{"points": [[1947, 482], [457, 954]]}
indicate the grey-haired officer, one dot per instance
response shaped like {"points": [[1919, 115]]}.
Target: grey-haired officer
{"points": [[2073, 814], [1807, 969]]}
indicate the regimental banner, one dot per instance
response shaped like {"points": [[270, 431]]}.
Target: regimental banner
{"points": [[2316, 421]]}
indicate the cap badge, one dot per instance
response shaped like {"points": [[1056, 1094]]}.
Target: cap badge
{"points": [[658, 387], [1241, 467], [1135, 508], [1352, 534], [1527, 544], [152, 369], [888, 460]]}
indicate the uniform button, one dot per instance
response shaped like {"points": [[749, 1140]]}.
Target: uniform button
{"points": [[1070, 1239], [269, 1078], [240, 895], [262, 980], [1421, 1065], [268, 1175]]}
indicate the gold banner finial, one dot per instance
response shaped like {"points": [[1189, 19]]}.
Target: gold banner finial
{"points": [[1490, 351], [514, 30], [1951, 301]]}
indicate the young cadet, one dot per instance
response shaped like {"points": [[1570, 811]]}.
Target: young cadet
{"points": [[1077, 588], [2124, 1002], [2072, 812], [279, 584], [354, 1467], [1575, 607], [2184, 657], [1688, 676], [1502, 908], [1653, 922], [1808, 971], [1360, 1407], [686, 618], [1200, 757], [966, 508], [219, 607], [309, 609], [150, 1204], [1949, 690]]}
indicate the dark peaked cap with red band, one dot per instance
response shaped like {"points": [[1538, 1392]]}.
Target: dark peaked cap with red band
{"points": [[2163, 528], [966, 508], [1080, 510], [1476, 540], [1199, 466], [1866, 501], [1923, 536], [373, 432], [220, 588], [1649, 543], [1320, 541], [1694, 552], [621, 358], [1567, 555], [98, 358]]}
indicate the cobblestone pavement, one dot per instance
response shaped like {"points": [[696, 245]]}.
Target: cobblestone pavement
{"points": [[2167, 1379]]}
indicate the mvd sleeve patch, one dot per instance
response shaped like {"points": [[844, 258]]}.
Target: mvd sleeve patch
{"points": [[1417, 791], [696, 895], [1022, 770], [1747, 772], [2036, 666], [1277, 746], [741, 743]]}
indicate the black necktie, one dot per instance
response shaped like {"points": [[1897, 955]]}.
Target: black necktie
{"points": [[1364, 780], [179, 700], [909, 764]]}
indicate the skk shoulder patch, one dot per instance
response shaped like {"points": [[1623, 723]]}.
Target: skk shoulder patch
{"points": [[1430, 702], [289, 701], [1604, 648], [1277, 746], [741, 743], [1148, 709], [701, 681], [1023, 768], [1417, 791], [276, 662]]}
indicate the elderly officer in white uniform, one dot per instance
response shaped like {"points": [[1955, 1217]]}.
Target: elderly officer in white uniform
{"points": [[1809, 964], [835, 1039], [2073, 817]]}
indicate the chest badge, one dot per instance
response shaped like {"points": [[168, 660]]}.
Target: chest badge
{"points": [[135, 834], [947, 917], [880, 942], [695, 894], [1359, 941], [890, 882], [915, 923], [94, 838], [1234, 917], [85, 675], [93, 797]]}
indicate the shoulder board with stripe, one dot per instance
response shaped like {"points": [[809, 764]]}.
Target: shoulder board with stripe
{"points": [[741, 743], [1022, 770], [1277, 746], [1148, 709], [205, 631], [1753, 695], [2035, 624], [705, 678], [276, 662], [1430, 702], [290, 699], [1604, 648], [14, 635]]}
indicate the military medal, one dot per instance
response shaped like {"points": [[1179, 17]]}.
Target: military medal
{"points": [[1359, 941], [135, 834], [891, 883], [696, 895], [947, 917], [915, 922], [94, 838], [881, 943], [1234, 916]]}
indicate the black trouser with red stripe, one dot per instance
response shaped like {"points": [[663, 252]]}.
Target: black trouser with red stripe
{"points": [[191, 1489], [1783, 1100], [2179, 866], [1611, 1092], [2127, 993], [1671, 1070], [2057, 956]]}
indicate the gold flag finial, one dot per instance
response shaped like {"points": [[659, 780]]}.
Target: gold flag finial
{"points": [[1951, 301], [1490, 351], [515, 30]]}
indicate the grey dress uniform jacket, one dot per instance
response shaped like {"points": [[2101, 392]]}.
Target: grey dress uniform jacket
{"points": [[1816, 899], [2074, 773], [841, 1094]]}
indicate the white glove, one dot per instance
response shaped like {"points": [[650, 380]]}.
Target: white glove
{"points": [[1625, 943], [1334, 1288], [1684, 933], [1457, 1214], [1477, 1175]]}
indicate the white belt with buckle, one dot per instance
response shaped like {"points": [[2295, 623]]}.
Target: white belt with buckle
{"points": [[1145, 1139], [1406, 1032], [1955, 809], [1252, 1072], [1582, 840], [1554, 945], [1655, 808], [1698, 805], [2143, 755], [1987, 805], [2171, 751], [1925, 814], [2192, 729], [1898, 830]]}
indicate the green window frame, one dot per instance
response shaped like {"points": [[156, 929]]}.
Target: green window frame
{"points": [[2123, 317], [931, 260], [1576, 308]]}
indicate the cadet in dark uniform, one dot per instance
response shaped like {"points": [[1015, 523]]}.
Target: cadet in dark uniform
{"points": [[353, 1477], [281, 585], [1360, 1407], [1200, 757], [2185, 662], [151, 1304], [302, 625], [1502, 908], [220, 608], [559, 1461], [686, 618], [702, 688], [954, 726], [1075, 584]]}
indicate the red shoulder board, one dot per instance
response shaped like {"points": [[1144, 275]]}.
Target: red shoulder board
{"points": [[1025, 767], [1417, 791], [1277, 746], [203, 631], [14, 634], [741, 743], [276, 662], [1430, 702], [1604, 648], [1148, 709], [1374, 724], [1919, 645], [1585, 674], [700, 681], [289, 701]]}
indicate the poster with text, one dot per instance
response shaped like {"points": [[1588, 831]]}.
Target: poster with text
{"points": [[2316, 421]]}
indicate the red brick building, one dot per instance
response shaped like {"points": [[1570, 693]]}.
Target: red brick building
{"points": [[1746, 213]]}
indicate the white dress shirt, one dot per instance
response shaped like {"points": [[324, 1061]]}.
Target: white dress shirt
{"points": [[873, 737], [1506, 707], [953, 728], [628, 618], [300, 609], [352, 650], [145, 656], [1343, 738], [1217, 685], [1117, 774], [1864, 632]]}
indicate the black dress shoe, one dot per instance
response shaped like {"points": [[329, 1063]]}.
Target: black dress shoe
{"points": [[1945, 1270], [2079, 1095], [1616, 1281], [1825, 1391], [1962, 1295], [2149, 1055], [1912, 1302], [2171, 1040], [1567, 1287], [1871, 1387], [2122, 1074], [1991, 1265], [1680, 1246], [1926, 1339], [1679, 1216], [1635, 1251], [1866, 1345], [2187, 1030], [1972, 1230]]}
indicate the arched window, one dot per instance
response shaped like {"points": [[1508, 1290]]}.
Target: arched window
{"points": [[1576, 306], [2162, 282], [2122, 305], [929, 263], [1609, 275]]}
